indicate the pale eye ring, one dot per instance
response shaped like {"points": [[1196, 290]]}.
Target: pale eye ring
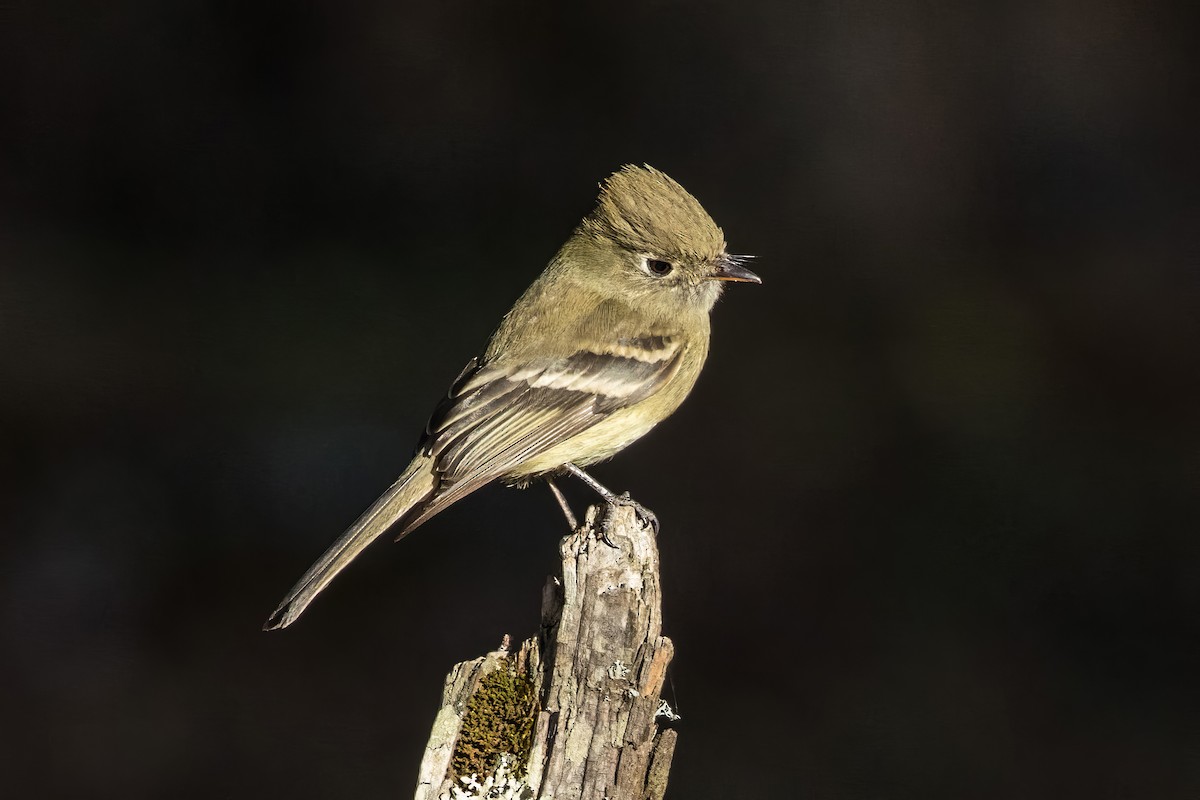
{"points": [[658, 268]]}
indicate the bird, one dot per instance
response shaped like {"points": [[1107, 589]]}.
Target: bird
{"points": [[605, 344]]}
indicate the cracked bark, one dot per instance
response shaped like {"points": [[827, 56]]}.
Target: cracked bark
{"points": [[596, 667]]}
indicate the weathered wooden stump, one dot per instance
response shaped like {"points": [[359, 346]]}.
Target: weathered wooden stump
{"points": [[574, 712]]}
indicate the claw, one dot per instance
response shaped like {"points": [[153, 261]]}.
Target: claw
{"points": [[604, 528], [644, 515]]}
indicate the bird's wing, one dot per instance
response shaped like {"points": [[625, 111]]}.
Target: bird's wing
{"points": [[498, 416]]}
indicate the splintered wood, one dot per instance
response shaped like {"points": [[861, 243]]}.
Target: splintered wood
{"points": [[573, 713]]}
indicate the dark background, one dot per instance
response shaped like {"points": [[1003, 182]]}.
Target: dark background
{"points": [[929, 517]]}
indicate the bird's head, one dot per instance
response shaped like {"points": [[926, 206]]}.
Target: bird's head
{"points": [[652, 239]]}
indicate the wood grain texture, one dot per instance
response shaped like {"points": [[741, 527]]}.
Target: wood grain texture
{"points": [[597, 668]]}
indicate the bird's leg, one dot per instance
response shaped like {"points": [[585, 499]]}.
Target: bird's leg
{"points": [[562, 503], [613, 499]]}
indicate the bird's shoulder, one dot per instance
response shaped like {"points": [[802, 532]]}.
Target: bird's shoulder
{"points": [[559, 319], [608, 357]]}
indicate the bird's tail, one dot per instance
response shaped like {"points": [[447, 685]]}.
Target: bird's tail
{"points": [[410, 492]]}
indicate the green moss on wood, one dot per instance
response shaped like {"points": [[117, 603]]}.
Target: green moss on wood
{"points": [[498, 719]]}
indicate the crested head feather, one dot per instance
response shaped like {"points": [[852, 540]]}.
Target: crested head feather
{"points": [[646, 211]]}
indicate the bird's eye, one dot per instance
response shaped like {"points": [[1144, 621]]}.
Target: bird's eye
{"points": [[659, 268]]}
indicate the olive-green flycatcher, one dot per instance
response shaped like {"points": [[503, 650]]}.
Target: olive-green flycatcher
{"points": [[605, 344]]}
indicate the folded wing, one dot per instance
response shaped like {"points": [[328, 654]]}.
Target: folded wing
{"points": [[498, 416]]}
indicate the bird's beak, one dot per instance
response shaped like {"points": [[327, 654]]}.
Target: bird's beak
{"points": [[729, 268]]}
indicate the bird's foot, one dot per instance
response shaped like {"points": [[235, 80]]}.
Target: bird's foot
{"points": [[645, 516]]}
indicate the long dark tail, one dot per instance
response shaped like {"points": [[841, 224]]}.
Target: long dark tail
{"points": [[410, 492]]}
